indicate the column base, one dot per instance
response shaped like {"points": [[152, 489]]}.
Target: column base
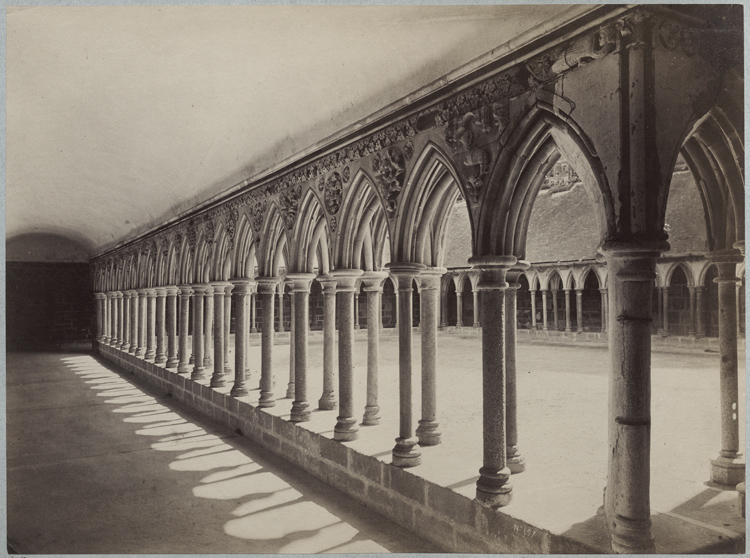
{"points": [[428, 433], [372, 415], [493, 487], [239, 389], [208, 362], [172, 363], [253, 330], [183, 368], [160, 359], [300, 411], [728, 471], [199, 373], [150, 354], [228, 370], [406, 453], [125, 347], [514, 461], [327, 402], [290, 391], [140, 353], [630, 536], [218, 380], [346, 429], [266, 399], [191, 360]]}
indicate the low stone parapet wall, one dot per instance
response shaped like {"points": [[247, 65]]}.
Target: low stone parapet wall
{"points": [[449, 520]]}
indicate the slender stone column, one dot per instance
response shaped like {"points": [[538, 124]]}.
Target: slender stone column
{"points": [[125, 321], [567, 311], [737, 306], [106, 319], [395, 296], [406, 453], [665, 310], [228, 326], [544, 310], [301, 293], [113, 337], [579, 310], [120, 320], [356, 309], [218, 378], [267, 292], [327, 401], [346, 425], [660, 324], [605, 309], [280, 326], [142, 323], [208, 327], [459, 309], [199, 370], [290, 389], [241, 288], [171, 325], [475, 294], [691, 327], [554, 309], [493, 486], [532, 292], [150, 324], [632, 273], [161, 310], [729, 467], [186, 291], [253, 327], [444, 307], [134, 322], [699, 331], [513, 458], [373, 286], [428, 431]]}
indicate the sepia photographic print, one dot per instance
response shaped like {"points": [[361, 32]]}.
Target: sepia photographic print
{"points": [[312, 278]]}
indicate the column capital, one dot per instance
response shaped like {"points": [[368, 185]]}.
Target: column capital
{"points": [[300, 282], [404, 273], [100, 296], [151, 292], [266, 285], [117, 294], [328, 284], [243, 286], [429, 278], [172, 290], [346, 279], [201, 288], [730, 256], [229, 287], [110, 294], [160, 291], [219, 286], [373, 281], [740, 245], [141, 292], [133, 293], [632, 249], [185, 290], [603, 290]]}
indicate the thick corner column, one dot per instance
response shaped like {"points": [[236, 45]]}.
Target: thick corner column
{"points": [[514, 460], [493, 486], [150, 324], [626, 504], [406, 452], [199, 370], [373, 286], [218, 378], [301, 293], [346, 425], [171, 326], [140, 352], [428, 431], [267, 293], [186, 291], [729, 467], [241, 289], [328, 401], [161, 311]]}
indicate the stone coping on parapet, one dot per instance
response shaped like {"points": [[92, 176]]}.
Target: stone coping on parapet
{"points": [[447, 516]]}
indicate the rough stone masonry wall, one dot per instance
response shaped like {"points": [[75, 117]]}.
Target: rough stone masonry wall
{"points": [[451, 521]]}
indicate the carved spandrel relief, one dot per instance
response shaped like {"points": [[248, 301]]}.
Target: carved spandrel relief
{"points": [[389, 168], [289, 203], [333, 193], [258, 214]]}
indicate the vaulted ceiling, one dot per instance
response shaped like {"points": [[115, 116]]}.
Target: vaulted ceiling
{"points": [[121, 118]]}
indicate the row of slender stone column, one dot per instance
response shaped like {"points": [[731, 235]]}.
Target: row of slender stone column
{"points": [[568, 321], [696, 328]]}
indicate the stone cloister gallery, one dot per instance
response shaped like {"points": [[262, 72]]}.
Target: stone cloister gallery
{"points": [[619, 101]]}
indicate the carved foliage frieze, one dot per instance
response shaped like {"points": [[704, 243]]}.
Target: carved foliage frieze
{"points": [[289, 203], [333, 193], [389, 168]]}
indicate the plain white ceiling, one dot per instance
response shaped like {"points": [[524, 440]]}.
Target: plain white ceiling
{"points": [[120, 118]]}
